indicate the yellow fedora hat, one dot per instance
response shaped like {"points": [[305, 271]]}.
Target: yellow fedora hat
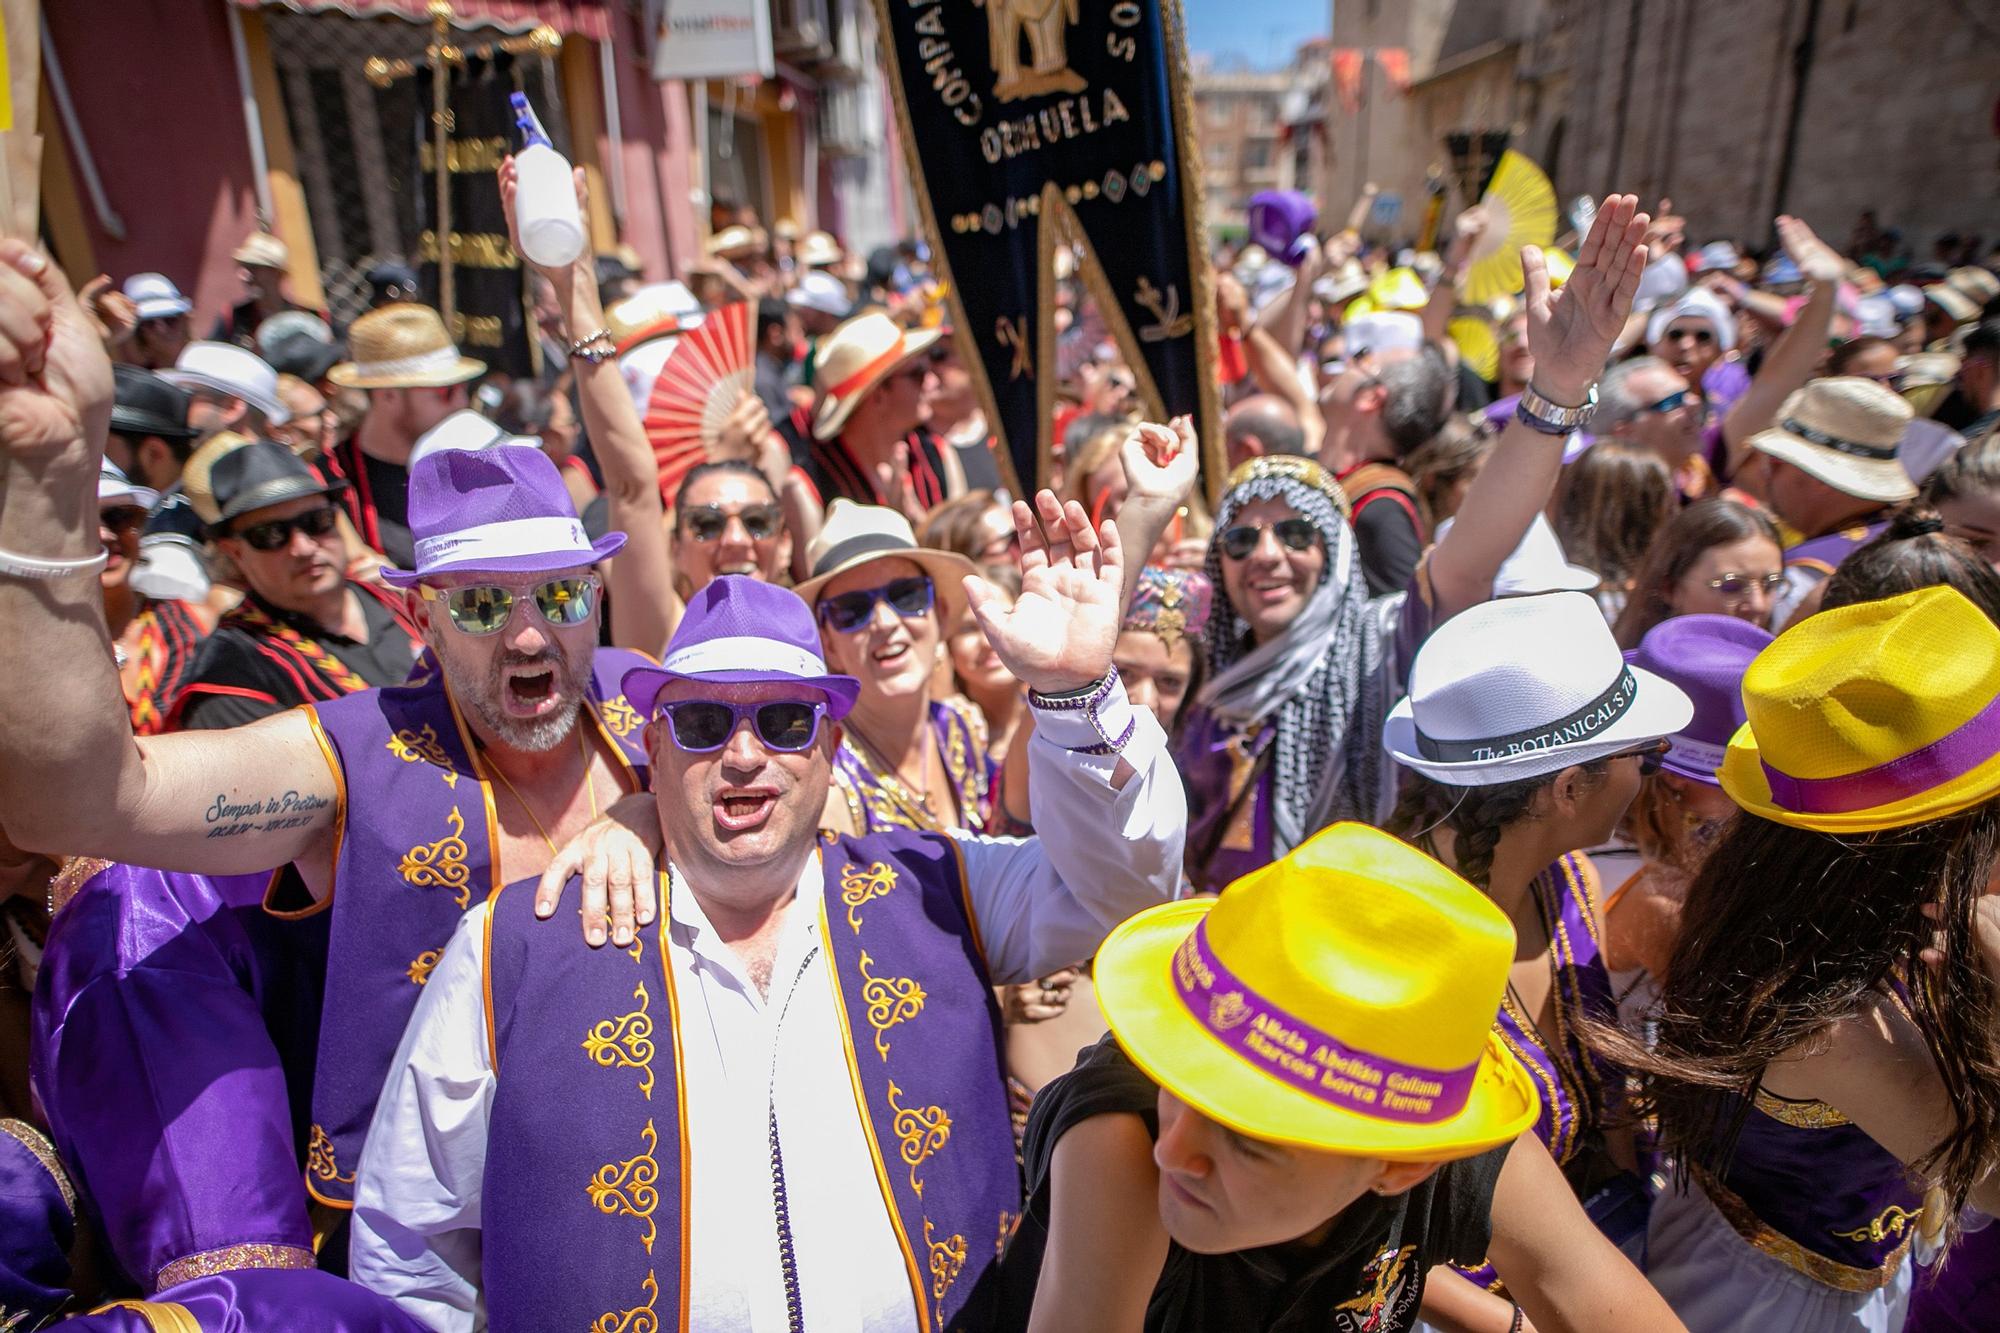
{"points": [[1873, 716], [1341, 999], [403, 346], [856, 357]]}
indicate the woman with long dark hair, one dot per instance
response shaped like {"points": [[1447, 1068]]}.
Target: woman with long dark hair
{"points": [[1528, 734], [1825, 1027], [1609, 504], [1716, 557]]}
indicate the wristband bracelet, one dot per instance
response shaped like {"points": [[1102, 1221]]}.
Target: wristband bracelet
{"points": [[15, 565], [595, 348]]}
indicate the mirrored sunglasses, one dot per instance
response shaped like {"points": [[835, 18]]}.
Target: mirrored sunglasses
{"points": [[1295, 534], [277, 534], [1671, 403], [701, 726], [485, 609], [907, 597], [707, 523]]}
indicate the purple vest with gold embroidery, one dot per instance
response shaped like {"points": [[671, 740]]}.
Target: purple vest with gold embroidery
{"points": [[414, 850], [1825, 553], [1807, 1187], [586, 1216]]}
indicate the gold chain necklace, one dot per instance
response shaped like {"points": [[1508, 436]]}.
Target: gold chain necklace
{"points": [[588, 786], [892, 780]]}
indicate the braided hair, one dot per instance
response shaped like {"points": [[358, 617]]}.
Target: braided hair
{"points": [[1476, 816]]}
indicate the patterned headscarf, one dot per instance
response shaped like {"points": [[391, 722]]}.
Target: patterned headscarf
{"points": [[1172, 603], [1326, 681]]}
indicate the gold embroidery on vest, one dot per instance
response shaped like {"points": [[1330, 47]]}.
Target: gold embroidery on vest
{"points": [[890, 1001], [626, 1042], [441, 864], [421, 966], [858, 887], [621, 717], [638, 1319], [947, 1259], [1005, 1233], [412, 746], [922, 1130], [626, 1189], [1799, 1115], [1893, 1222], [320, 1160]]}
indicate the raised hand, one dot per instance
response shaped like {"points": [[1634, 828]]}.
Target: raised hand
{"points": [[1160, 462], [743, 431], [1570, 332], [116, 317], [1817, 260], [55, 378], [1057, 635], [510, 185]]}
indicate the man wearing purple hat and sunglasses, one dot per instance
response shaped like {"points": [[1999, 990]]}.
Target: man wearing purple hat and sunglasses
{"points": [[783, 1106]]}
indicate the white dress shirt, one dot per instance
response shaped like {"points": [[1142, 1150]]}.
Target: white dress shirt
{"points": [[1041, 904]]}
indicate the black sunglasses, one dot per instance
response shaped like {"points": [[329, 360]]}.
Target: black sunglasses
{"points": [[707, 523], [1296, 534], [123, 518], [1650, 757], [486, 609], [907, 597], [277, 534], [1701, 336], [700, 726], [1671, 403]]}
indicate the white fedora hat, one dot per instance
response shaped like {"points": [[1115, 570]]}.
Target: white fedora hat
{"points": [[1846, 432], [227, 369], [1524, 687]]}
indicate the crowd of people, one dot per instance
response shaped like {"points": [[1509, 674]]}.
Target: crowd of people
{"points": [[1516, 852]]}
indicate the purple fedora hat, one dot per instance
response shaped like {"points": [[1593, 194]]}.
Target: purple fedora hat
{"points": [[502, 510], [742, 631], [1706, 656]]}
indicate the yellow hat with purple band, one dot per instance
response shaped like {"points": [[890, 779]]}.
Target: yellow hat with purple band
{"points": [[1341, 999], [1874, 716]]}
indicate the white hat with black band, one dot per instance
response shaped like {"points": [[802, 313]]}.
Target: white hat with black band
{"points": [[1524, 687]]}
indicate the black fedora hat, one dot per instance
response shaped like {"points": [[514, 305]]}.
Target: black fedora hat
{"points": [[145, 404], [261, 473]]}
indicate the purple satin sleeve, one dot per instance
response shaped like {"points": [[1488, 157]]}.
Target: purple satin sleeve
{"points": [[263, 1301], [163, 1088]]}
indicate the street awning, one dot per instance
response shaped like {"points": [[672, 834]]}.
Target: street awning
{"points": [[571, 18]]}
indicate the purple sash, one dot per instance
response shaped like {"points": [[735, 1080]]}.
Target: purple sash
{"points": [[414, 849], [585, 1217]]}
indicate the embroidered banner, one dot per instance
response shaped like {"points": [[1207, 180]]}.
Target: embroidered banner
{"points": [[1020, 116]]}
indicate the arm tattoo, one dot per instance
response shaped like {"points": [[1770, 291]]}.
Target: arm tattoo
{"points": [[228, 818]]}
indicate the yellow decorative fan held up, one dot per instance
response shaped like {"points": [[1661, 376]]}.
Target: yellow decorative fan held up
{"points": [[1520, 207]]}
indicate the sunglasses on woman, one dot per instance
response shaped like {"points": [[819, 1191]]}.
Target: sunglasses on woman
{"points": [[907, 597], [1294, 534], [1650, 756], [707, 523], [485, 609], [701, 726], [277, 534], [1736, 585]]}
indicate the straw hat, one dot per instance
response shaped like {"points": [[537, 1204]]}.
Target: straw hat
{"points": [[402, 346], [817, 250], [856, 357], [1875, 716], [1952, 301], [1523, 687], [1341, 999], [855, 534], [1975, 284], [654, 311], [1846, 432], [195, 481]]}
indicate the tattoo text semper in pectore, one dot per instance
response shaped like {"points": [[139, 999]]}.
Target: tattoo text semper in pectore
{"points": [[227, 818]]}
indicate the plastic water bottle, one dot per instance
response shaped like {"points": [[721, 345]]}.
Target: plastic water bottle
{"points": [[545, 202]]}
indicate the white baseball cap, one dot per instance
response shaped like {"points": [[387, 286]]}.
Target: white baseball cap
{"points": [[156, 296]]}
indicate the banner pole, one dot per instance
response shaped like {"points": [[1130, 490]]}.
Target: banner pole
{"points": [[440, 57]]}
